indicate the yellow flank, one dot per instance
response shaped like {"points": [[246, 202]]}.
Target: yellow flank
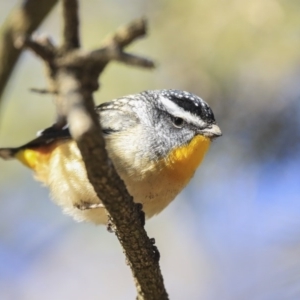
{"points": [[28, 157], [35, 158], [183, 161]]}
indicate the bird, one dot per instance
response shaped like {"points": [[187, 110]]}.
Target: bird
{"points": [[156, 139]]}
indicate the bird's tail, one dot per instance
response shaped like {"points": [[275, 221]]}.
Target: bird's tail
{"points": [[38, 151], [29, 157], [36, 158], [9, 153]]}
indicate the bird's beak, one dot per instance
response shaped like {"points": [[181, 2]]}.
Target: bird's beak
{"points": [[213, 131]]}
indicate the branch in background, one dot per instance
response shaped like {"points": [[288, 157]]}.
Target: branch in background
{"points": [[74, 74], [71, 25], [21, 22], [98, 58], [43, 50], [127, 34], [42, 91]]}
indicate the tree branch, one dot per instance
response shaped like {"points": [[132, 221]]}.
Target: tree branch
{"points": [[74, 75], [42, 91], [125, 35], [141, 254], [43, 50], [21, 22], [133, 60], [71, 25], [99, 58]]}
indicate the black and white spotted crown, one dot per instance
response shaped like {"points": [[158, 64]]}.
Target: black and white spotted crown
{"points": [[189, 102]]}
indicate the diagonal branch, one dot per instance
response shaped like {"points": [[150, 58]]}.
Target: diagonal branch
{"points": [[141, 254], [45, 52], [125, 35], [133, 60], [22, 21]]}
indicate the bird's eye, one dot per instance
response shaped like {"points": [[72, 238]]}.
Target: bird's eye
{"points": [[178, 122]]}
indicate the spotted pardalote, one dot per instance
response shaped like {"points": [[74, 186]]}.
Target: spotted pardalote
{"points": [[155, 139]]}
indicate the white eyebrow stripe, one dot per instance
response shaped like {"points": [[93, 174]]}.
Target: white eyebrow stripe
{"points": [[179, 112]]}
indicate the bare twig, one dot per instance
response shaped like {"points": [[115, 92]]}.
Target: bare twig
{"points": [[22, 21], [42, 91], [133, 60], [125, 35], [44, 52], [98, 58], [71, 25]]}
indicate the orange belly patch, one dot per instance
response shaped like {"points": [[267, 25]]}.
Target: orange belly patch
{"points": [[183, 161]]}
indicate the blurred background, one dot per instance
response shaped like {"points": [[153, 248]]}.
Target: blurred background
{"points": [[234, 232]]}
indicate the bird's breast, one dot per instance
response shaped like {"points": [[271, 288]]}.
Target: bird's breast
{"points": [[182, 162]]}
